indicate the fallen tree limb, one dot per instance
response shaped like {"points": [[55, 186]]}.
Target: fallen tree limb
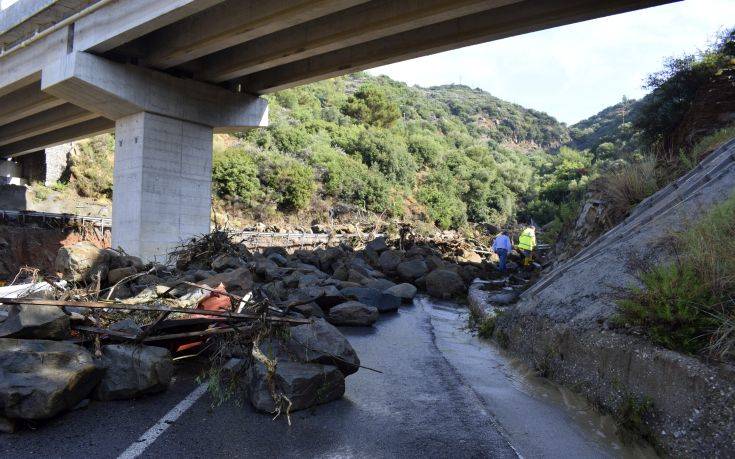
{"points": [[136, 307], [129, 337]]}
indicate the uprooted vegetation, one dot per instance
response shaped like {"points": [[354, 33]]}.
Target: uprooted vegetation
{"points": [[688, 304]]}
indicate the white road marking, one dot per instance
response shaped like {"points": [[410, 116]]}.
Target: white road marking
{"points": [[145, 440]]}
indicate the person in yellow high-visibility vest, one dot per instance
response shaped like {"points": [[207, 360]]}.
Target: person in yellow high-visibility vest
{"points": [[526, 244]]}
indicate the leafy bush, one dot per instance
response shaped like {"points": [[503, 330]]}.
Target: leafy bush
{"points": [[293, 183], [689, 304], [370, 105], [387, 153], [424, 148], [445, 209], [352, 181], [235, 174], [673, 89]]}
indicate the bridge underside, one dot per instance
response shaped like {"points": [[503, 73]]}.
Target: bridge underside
{"points": [[165, 74]]}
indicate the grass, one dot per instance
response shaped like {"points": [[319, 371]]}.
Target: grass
{"points": [[711, 142], [689, 304], [91, 166], [628, 185]]}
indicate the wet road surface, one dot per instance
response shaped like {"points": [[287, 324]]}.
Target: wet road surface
{"points": [[442, 393]]}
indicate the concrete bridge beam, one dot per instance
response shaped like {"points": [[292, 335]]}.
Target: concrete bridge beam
{"points": [[163, 144]]}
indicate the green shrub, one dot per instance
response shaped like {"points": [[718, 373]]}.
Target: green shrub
{"points": [[370, 105], [351, 181], [387, 153], [689, 305], [424, 148], [235, 174], [293, 183], [444, 209], [674, 88]]}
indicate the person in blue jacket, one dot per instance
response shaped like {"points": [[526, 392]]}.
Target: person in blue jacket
{"points": [[502, 247]]}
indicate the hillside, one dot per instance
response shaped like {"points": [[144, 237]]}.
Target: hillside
{"points": [[364, 146]]}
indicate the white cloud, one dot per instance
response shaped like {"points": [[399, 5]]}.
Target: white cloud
{"points": [[575, 71]]}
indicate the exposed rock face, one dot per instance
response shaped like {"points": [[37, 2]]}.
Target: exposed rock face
{"points": [[353, 313], [444, 284], [305, 385], [40, 379], [321, 342], [412, 269], [383, 302], [132, 371], [404, 291], [35, 322], [82, 262]]}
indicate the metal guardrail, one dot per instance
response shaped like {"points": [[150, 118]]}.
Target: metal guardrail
{"points": [[25, 215]]}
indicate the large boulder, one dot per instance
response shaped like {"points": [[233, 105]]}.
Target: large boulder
{"points": [[383, 302], [310, 309], [39, 378], [132, 371], [353, 313], [379, 284], [390, 259], [377, 245], [236, 280], [116, 275], [225, 261], [312, 279], [35, 322], [405, 292], [412, 269], [304, 384], [82, 261], [502, 298], [328, 257], [444, 284], [321, 342]]}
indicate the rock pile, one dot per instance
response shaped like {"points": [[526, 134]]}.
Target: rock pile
{"points": [[50, 364]]}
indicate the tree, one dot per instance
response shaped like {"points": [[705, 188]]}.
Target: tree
{"points": [[370, 105]]}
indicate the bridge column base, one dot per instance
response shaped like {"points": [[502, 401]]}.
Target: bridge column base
{"points": [[162, 184]]}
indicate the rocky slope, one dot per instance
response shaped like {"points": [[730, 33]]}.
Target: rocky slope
{"points": [[563, 325]]}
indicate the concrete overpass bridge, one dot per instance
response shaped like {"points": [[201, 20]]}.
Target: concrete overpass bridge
{"points": [[166, 74]]}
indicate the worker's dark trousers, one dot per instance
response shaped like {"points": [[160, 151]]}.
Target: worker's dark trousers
{"points": [[502, 255]]}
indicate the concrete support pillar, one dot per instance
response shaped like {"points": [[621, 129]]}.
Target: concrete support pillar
{"points": [[163, 136], [162, 183]]}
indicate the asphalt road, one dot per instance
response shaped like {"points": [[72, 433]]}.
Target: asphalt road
{"points": [[442, 393]]}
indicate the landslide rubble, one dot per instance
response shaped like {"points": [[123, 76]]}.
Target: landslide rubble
{"points": [[108, 325]]}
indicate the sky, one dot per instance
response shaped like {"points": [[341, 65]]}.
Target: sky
{"points": [[573, 72]]}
